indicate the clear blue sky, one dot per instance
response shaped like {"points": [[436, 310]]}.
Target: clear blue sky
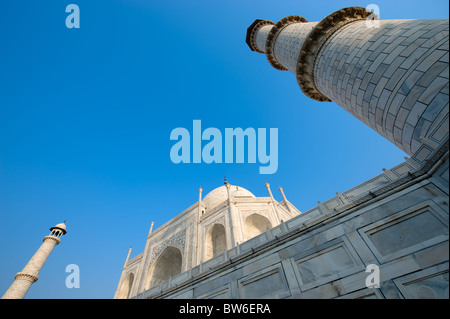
{"points": [[86, 115]]}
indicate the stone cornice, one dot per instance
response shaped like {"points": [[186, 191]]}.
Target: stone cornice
{"points": [[29, 277], [55, 239], [314, 42], [280, 25], [253, 30]]}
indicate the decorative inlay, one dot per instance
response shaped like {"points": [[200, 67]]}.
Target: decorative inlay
{"points": [[177, 240]]}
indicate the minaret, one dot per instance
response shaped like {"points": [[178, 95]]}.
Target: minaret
{"points": [[24, 279], [390, 74]]}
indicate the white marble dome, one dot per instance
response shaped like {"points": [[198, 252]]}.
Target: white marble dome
{"points": [[219, 195]]}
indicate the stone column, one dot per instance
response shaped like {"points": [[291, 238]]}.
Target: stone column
{"points": [[116, 295], [200, 190], [199, 232], [24, 279], [274, 206], [151, 229], [285, 199], [392, 75], [141, 273], [234, 236], [128, 256]]}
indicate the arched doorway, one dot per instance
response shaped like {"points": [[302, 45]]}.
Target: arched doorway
{"points": [[256, 224], [167, 265], [216, 241], [125, 289]]}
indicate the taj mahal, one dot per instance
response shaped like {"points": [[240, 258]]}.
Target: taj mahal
{"points": [[226, 217], [394, 77]]}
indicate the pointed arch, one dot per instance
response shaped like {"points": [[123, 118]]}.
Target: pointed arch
{"points": [[216, 241], [167, 265], [125, 288], [256, 224]]}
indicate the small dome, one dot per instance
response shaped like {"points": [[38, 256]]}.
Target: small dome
{"points": [[220, 194], [61, 226]]}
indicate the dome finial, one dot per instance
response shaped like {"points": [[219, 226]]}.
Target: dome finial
{"points": [[225, 178]]}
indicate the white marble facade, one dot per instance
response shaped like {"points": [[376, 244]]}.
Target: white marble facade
{"points": [[398, 221], [232, 244], [223, 219]]}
